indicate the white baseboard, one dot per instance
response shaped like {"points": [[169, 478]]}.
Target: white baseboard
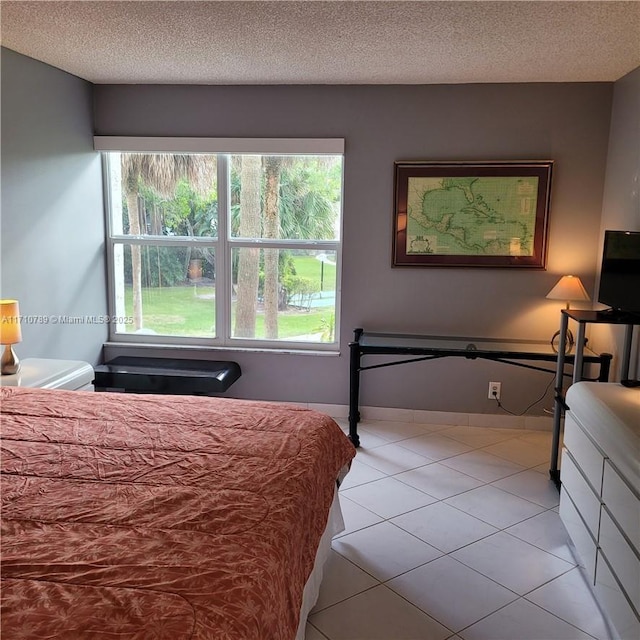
{"points": [[538, 423]]}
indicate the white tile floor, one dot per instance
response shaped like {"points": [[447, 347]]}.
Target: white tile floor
{"points": [[452, 533]]}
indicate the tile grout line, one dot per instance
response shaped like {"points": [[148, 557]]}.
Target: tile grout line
{"points": [[499, 529]]}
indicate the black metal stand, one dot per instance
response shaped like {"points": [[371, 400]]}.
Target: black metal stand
{"points": [[354, 387], [510, 352]]}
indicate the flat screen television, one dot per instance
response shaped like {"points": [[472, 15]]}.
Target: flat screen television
{"points": [[620, 274]]}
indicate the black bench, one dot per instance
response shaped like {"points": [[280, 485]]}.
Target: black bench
{"points": [[166, 375]]}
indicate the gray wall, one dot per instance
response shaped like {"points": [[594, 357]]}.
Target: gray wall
{"points": [[621, 204], [568, 123], [52, 217]]}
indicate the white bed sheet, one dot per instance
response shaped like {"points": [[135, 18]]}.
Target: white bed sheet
{"points": [[335, 525]]}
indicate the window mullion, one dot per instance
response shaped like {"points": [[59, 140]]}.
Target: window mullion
{"points": [[223, 254]]}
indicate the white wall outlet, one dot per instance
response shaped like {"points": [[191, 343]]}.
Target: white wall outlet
{"points": [[494, 390]]}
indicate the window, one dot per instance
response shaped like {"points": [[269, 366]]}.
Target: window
{"points": [[224, 242]]}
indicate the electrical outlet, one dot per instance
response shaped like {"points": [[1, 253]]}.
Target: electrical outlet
{"points": [[494, 390]]}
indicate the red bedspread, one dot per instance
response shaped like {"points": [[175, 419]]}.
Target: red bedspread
{"points": [[160, 517]]}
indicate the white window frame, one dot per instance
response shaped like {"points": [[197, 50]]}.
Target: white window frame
{"points": [[224, 243]]}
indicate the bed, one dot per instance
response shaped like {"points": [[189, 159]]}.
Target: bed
{"points": [[149, 516]]}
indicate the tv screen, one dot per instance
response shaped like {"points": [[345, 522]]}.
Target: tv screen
{"points": [[620, 275]]}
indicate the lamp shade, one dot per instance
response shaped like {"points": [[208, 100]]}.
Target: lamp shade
{"points": [[10, 332], [568, 288]]}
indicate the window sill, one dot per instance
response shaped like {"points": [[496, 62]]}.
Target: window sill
{"points": [[200, 349]]}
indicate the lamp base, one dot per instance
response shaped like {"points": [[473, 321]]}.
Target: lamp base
{"points": [[568, 344], [10, 362]]}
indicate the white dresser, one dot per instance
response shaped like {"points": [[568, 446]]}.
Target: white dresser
{"points": [[600, 495], [74, 375]]}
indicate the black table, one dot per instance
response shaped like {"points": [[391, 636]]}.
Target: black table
{"points": [[166, 375], [433, 347]]}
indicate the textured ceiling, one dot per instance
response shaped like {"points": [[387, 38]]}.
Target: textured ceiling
{"points": [[283, 42]]}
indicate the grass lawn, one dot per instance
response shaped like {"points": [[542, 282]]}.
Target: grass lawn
{"points": [[190, 311], [309, 267]]}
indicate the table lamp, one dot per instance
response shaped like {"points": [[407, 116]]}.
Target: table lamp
{"points": [[568, 288], [10, 334]]}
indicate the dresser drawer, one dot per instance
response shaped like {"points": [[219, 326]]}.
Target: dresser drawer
{"points": [[584, 499], [587, 456], [583, 541], [622, 503], [623, 561], [615, 602]]}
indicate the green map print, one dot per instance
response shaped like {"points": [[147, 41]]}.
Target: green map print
{"points": [[492, 216]]}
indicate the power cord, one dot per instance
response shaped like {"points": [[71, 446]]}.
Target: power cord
{"points": [[544, 393]]}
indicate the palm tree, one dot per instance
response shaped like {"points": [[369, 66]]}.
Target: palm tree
{"points": [[309, 193], [249, 257], [273, 169], [160, 172]]}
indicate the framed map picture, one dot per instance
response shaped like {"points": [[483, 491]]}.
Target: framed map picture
{"points": [[480, 214]]}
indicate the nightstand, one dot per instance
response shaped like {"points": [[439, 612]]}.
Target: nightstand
{"points": [[73, 375]]}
